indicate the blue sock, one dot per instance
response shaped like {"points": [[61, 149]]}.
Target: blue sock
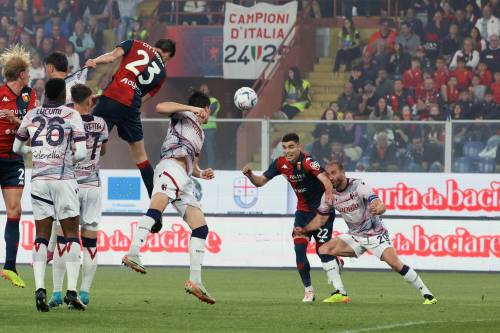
{"points": [[302, 263], [11, 243]]}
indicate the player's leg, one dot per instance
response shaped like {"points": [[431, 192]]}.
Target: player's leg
{"points": [[141, 161], [12, 198], [332, 265], [159, 202], [39, 253], [58, 265], [52, 243], [300, 247], [391, 258]]}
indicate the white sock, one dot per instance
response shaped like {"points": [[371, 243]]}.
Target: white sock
{"points": [[141, 232], [53, 237], [333, 273], [89, 267], [39, 255], [59, 266], [412, 277], [72, 257], [196, 254]]}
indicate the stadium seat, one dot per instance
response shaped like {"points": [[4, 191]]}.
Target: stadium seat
{"points": [[486, 165], [463, 165], [472, 149]]}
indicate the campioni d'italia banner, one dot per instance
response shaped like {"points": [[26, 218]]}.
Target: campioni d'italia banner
{"points": [[252, 36]]}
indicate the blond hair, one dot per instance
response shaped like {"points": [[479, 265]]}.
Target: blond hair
{"points": [[14, 61]]}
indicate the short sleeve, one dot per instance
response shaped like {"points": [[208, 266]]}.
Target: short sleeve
{"points": [[22, 132], [312, 166], [77, 127], [126, 45], [272, 171], [365, 191], [325, 208]]}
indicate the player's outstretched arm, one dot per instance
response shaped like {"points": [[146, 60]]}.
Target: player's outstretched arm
{"points": [[169, 108], [202, 173], [254, 179], [377, 207], [327, 184], [317, 222], [106, 58]]}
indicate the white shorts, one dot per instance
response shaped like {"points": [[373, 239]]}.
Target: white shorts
{"points": [[90, 207], [376, 243], [54, 198], [171, 179]]}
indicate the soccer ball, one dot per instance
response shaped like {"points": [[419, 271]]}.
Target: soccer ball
{"points": [[245, 98]]}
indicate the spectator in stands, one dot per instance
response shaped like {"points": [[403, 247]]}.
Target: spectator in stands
{"points": [[450, 92], [464, 26], [47, 47], [349, 45], [426, 97], [399, 61], [128, 12], [368, 68], [38, 38], [166, 11], [452, 42], [21, 24], [399, 98], [468, 53], [210, 128], [468, 106], [477, 89], [25, 41], [470, 12], [491, 56], [383, 156], [441, 73], [193, 13], [416, 25], [485, 74], [96, 33], [39, 87], [55, 20], [488, 24], [348, 100], [73, 58], [413, 76], [368, 101], [456, 112], [426, 62], [356, 79], [138, 32], [489, 109], [59, 40], [495, 88], [385, 36], [462, 73], [296, 94], [101, 9], [425, 157], [3, 43], [437, 26], [338, 154], [382, 111], [408, 39], [37, 71], [350, 136], [383, 84], [12, 35], [478, 43], [329, 128], [84, 45], [380, 56], [321, 149]]}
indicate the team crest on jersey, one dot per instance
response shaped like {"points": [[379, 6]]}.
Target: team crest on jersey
{"points": [[25, 97], [245, 194], [315, 165]]}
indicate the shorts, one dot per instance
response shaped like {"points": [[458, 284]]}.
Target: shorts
{"points": [[54, 198], [11, 173], [323, 234], [126, 119], [90, 207], [376, 243], [171, 179]]}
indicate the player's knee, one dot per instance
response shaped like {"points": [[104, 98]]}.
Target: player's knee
{"points": [[323, 250], [155, 214], [13, 210], [200, 232]]}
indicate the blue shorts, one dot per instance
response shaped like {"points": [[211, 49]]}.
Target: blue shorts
{"points": [[126, 119], [323, 234], [12, 172]]}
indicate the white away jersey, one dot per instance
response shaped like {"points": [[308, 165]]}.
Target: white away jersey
{"points": [[184, 138], [71, 80], [96, 133], [353, 204], [52, 130]]}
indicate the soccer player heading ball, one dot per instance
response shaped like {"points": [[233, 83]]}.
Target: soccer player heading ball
{"points": [[139, 77], [361, 209]]}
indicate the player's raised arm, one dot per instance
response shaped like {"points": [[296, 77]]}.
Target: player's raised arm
{"points": [[323, 178], [254, 179], [169, 108], [106, 58]]}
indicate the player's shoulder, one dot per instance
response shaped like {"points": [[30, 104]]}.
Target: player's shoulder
{"points": [[310, 162]]}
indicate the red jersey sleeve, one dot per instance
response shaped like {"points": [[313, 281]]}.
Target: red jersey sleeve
{"points": [[157, 88], [273, 170], [126, 45]]}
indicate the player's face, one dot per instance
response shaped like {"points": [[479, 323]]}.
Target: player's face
{"points": [[336, 175], [291, 150]]}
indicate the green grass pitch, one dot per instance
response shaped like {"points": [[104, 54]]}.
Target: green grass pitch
{"points": [[253, 300]]}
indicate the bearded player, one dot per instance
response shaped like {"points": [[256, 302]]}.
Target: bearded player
{"points": [[309, 182], [16, 99], [139, 77], [173, 184], [361, 209]]}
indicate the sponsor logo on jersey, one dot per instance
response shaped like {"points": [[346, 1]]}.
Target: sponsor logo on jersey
{"points": [[245, 194], [130, 83]]}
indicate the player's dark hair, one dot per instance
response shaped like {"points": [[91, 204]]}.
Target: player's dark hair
{"points": [[338, 164], [80, 92], [55, 90], [166, 45], [290, 137], [58, 60], [199, 99]]}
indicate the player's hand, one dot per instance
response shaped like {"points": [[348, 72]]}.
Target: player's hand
{"points": [[375, 208], [10, 116], [91, 63], [298, 231], [330, 198], [207, 174], [198, 111], [247, 170]]}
